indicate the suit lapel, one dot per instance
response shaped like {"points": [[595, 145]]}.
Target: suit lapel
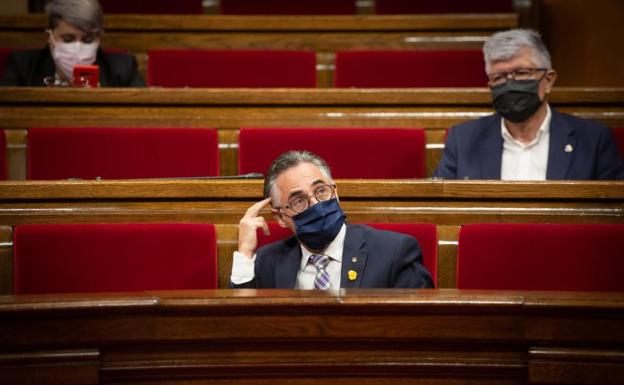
{"points": [[353, 258], [490, 150], [561, 147], [286, 269]]}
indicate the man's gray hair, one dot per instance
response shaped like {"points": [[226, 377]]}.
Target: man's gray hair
{"points": [[284, 162], [506, 45], [86, 15]]}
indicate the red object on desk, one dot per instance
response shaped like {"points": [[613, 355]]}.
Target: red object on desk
{"points": [[86, 76]]}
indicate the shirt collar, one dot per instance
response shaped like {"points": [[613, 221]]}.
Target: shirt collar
{"points": [[333, 251], [543, 129]]}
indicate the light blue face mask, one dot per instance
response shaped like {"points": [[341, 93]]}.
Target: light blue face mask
{"points": [[317, 226]]}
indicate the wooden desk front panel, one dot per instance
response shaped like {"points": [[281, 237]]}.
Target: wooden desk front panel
{"points": [[285, 336]]}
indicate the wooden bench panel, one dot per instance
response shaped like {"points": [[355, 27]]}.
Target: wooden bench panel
{"points": [[223, 202], [229, 109], [446, 337]]}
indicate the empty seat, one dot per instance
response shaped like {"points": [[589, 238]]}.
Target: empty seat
{"points": [[584, 257], [287, 7], [152, 6], [63, 258], [3, 156], [350, 152], [117, 153], [231, 68], [618, 134], [425, 233], [416, 68], [388, 7]]}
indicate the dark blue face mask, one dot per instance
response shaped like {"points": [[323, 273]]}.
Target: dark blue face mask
{"points": [[516, 100], [317, 226]]}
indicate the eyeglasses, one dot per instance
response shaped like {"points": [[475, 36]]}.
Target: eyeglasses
{"points": [[300, 203], [519, 74]]}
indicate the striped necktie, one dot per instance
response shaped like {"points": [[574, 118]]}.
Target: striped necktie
{"points": [[321, 281]]}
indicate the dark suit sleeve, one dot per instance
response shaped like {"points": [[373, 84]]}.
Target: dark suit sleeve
{"points": [[447, 168], [135, 79], [11, 76], [609, 164], [253, 284], [408, 270]]}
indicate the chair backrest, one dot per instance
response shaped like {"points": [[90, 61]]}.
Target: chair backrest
{"points": [[386, 7], [584, 257], [152, 6], [414, 68], [3, 156], [618, 134], [349, 152], [60, 258], [287, 7], [425, 233], [118, 153], [231, 68]]}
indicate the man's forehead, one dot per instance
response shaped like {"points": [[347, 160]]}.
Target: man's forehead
{"points": [[300, 177]]}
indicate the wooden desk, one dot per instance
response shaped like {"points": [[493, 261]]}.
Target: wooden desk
{"points": [[434, 109], [444, 337], [325, 35], [223, 202]]}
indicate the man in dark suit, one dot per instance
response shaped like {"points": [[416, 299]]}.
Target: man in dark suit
{"points": [[527, 139], [326, 252], [74, 29]]}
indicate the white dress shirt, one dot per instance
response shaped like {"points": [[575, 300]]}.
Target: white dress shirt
{"points": [[526, 161], [243, 266]]}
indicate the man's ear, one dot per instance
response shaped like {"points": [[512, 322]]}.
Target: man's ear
{"points": [[551, 77], [277, 214]]}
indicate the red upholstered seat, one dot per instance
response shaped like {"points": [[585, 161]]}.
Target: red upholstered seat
{"points": [[585, 257], [118, 153], [384, 69], [350, 152], [3, 155], [618, 134], [231, 68], [152, 6], [287, 7], [427, 235], [387, 7], [57, 258]]}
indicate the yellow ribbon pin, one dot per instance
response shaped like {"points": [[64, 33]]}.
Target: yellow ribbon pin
{"points": [[352, 275]]}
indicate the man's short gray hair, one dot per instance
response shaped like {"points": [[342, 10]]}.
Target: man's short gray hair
{"points": [[284, 162], [506, 45], [86, 15]]}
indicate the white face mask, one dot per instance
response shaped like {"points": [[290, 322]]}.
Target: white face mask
{"points": [[67, 55]]}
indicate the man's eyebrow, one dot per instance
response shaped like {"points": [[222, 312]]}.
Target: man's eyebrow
{"points": [[299, 192]]}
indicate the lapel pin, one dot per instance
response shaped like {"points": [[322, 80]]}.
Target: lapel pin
{"points": [[354, 259], [568, 148], [352, 274]]}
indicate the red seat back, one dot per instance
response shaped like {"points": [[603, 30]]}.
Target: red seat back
{"points": [[287, 7], [350, 152], [584, 257], [57, 258], [117, 153], [618, 134], [386, 7], [3, 156], [231, 68], [152, 6], [426, 234], [384, 69]]}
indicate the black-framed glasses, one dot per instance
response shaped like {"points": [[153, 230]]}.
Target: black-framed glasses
{"points": [[300, 203], [518, 74]]}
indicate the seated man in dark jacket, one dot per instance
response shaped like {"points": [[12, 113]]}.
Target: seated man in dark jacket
{"points": [[325, 251], [74, 29], [527, 139]]}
